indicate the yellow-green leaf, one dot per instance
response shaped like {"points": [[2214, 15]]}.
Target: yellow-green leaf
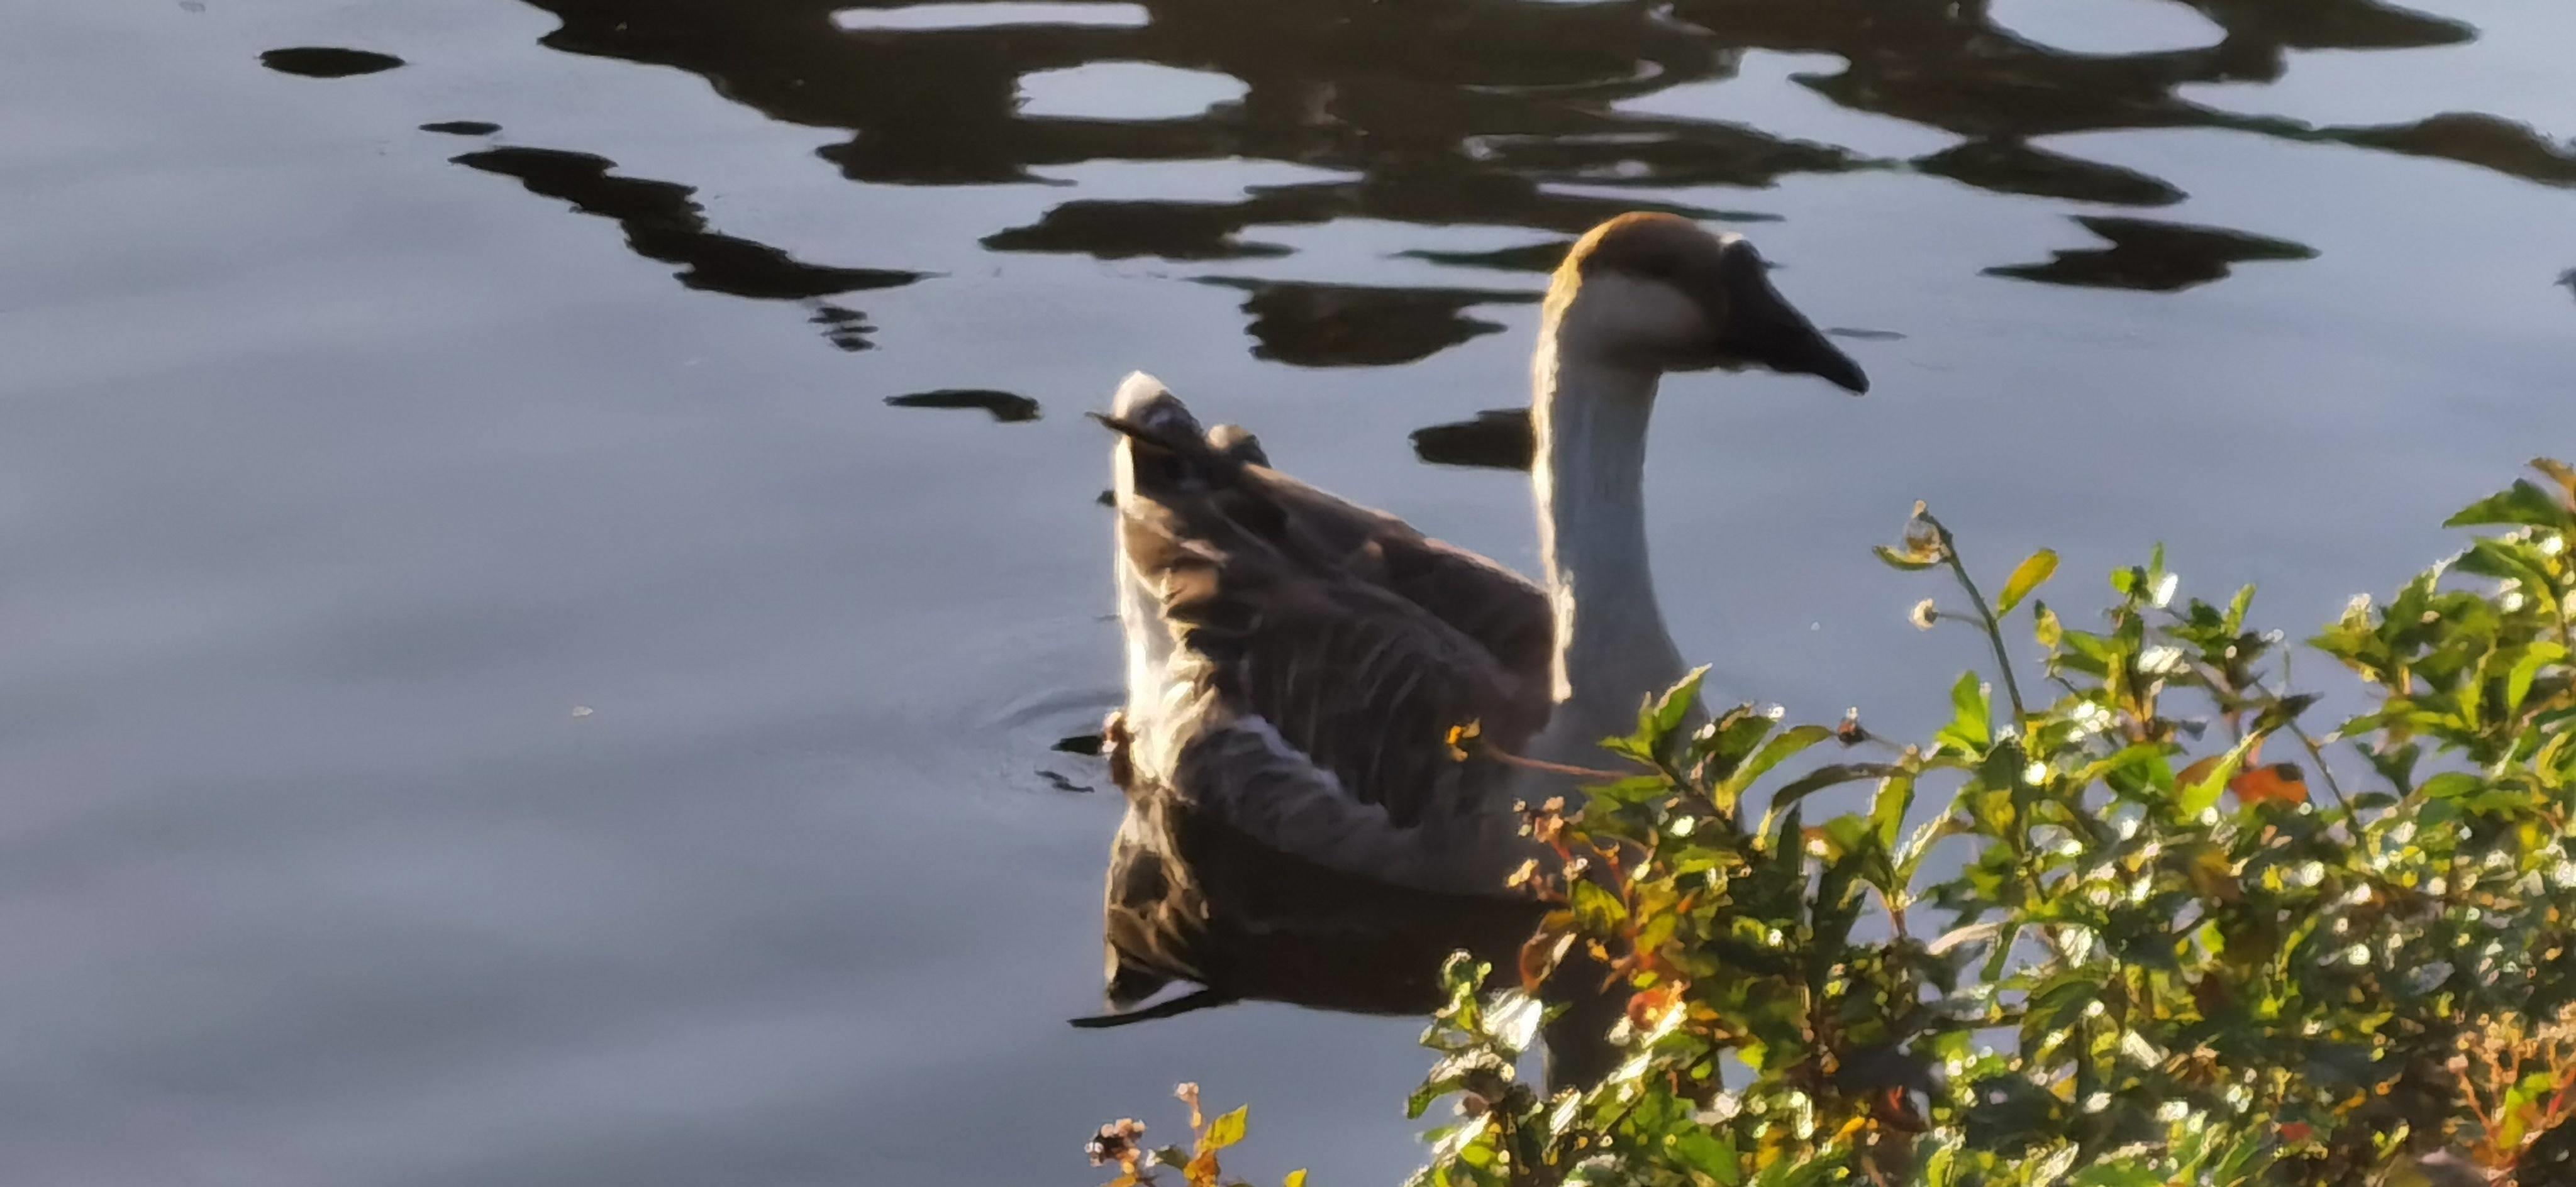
{"points": [[2540, 653], [1296, 1178], [2200, 787], [1971, 729], [1909, 560], [2029, 576], [2045, 626], [1227, 1130]]}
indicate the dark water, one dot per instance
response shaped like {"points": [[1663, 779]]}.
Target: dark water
{"points": [[536, 646]]}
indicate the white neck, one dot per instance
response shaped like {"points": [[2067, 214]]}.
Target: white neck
{"points": [[1612, 649]]}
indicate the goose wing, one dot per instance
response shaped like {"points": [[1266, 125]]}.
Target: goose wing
{"points": [[1354, 641], [1297, 828], [1497, 609]]}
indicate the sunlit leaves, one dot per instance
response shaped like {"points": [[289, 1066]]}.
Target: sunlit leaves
{"points": [[1971, 728], [2156, 955], [1227, 1130], [2525, 503], [1773, 752], [2028, 576]]}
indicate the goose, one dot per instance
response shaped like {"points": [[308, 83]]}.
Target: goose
{"points": [[1298, 827]]}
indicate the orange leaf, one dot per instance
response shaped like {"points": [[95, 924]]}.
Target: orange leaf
{"points": [[2279, 783], [1894, 1108], [1647, 1008], [1540, 956]]}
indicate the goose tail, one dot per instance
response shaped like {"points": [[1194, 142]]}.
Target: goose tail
{"points": [[1202, 999], [1164, 452]]}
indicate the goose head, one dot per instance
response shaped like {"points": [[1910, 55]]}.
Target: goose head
{"points": [[1657, 292]]}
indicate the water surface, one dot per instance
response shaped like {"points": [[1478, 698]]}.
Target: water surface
{"points": [[538, 645]]}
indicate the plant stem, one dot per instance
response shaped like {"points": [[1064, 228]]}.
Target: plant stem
{"points": [[1986, 612]]}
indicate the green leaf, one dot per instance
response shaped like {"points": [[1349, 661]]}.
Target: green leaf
{"points": [[2123, 1173], [2536, 656], [1228, 1129], [2030, 575], [2452, 785], [1723, 743], [1887, 810], [1940, 1169], [2059, 1002], [2045, 626], [1971, 728], [1772, 754], [2236, 609], [1709, 1153], [1827, 776], [1628, 792], [1660, 716], [1596, 910], [1430, 1093], [1922, 839], [2524, 504], [2201, 795]]}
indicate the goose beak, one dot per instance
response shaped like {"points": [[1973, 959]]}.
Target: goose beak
{"points": [[1801, 350], [1760, 327]]}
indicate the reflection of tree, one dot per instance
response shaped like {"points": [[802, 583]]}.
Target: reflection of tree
{"points": [[664, 222], [1334, 325], [325, 61], [2157, 257], [1006, 407], [1445, 112], [2015, 167]]}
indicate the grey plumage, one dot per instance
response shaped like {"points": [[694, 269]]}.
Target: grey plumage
{"points": [[1298, 828]]}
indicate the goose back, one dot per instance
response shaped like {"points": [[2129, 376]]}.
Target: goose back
{"points": [[1298, 827]]}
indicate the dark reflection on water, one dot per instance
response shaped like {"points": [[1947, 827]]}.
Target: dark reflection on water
{"points": [[1535, 257], [322, 61], [662, 223], [1119, 230], [1497, 439], [2154, 256], [1455, 113], [1340, 325], [1006, 407], [2013, 167], [2484, 140], [1211, 230]]}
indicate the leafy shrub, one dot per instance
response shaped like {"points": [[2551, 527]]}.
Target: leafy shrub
{"points": [[2160, 954]]}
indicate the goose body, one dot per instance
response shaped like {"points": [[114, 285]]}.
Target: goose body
{"points": [[1298, 827]]}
